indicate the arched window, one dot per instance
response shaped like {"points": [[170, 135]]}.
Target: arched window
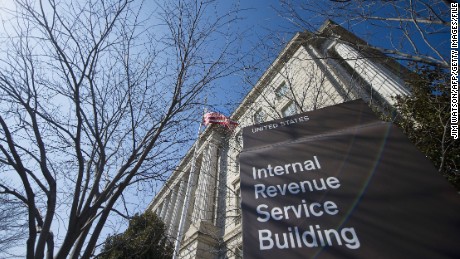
{"points": [[259, 116], [289, 109]]}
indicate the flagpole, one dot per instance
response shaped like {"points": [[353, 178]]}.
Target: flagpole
{"points": [[183, 216]]}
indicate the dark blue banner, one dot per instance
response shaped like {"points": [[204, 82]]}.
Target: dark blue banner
{"points": [[339, 183]]}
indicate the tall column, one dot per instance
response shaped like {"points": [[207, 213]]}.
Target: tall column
{"points": [[380, 78], [193, 186], [206, 184], [164, 208], [172, 202], [159, 209], [178, 207], [198, 193], [209, 194], [221, 193]]}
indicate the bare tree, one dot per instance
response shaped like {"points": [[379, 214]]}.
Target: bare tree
{"points": [[95, 98], [412, 30], [12, 224]]}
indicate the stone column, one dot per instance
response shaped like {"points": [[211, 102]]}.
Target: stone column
{"points": [[159, 208], [380, 78], [203, 209], [178, 207], [164, 207], [210, 193], [199, 193], [193, 191], [171, 204]]}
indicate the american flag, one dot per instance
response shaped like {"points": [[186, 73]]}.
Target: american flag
{"points": [[217, 118]]}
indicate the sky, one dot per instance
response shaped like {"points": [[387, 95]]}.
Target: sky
{"points": [[258, 24]]}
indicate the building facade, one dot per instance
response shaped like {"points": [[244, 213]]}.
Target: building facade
{"points": [[314, 70]]}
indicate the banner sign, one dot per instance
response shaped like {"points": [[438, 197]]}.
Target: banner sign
{"points": [[339, 183]]}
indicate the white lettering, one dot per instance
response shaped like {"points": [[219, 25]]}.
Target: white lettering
{"points": [[303, 209], [313, 236], [278, 170], [321, 184]]}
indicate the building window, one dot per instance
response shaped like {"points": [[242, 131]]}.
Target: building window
{"points": [[237, 164], [289, 109], [239, 140], [281, 90], [237, 189], [239, 252], [259, 116]]}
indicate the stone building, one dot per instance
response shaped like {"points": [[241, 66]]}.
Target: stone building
{"points": [[314, 70]]}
